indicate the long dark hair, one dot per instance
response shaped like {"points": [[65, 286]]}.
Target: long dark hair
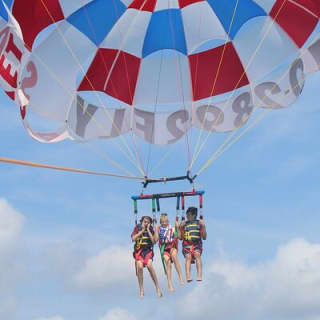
{"points": [[148, 217]]}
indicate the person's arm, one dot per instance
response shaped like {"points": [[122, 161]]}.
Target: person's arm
{"points": [[152, 236], [181, 229], [136, 234], [203, 231], [156, 233]]}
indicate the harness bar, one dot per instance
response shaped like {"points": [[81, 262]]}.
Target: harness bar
{"points": [[168, 195], [167, 179]]}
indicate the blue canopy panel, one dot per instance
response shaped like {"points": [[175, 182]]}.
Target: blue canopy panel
{"points": [[165, 31], [236, 13], [3, 11], [97, 18]]}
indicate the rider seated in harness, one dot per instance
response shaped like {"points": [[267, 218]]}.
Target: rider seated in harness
{"points": [[193, 231], [168, 243], [145, 237]]}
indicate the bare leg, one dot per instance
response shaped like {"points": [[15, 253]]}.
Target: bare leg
{"points": [[139, 266], [177, 264], [198, 265], [154, 277], [168, 266], [188, 267]]}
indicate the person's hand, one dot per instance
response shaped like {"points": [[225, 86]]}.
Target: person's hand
{"points": [[202, 222], [182, 224]]}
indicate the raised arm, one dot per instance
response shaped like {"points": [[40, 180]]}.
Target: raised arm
{"points": [[156, 232], [136, 234]]}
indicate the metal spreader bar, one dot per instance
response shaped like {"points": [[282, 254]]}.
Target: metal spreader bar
{"points": [[168, 195]]}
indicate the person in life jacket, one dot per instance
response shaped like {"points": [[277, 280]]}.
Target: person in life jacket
{"points": [[168, 243], [144, 237], [193, 231]]}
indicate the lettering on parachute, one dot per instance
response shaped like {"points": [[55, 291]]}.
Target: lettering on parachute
{"points": [[10, 58], [11, 54], [167, 127], [88, 121]]}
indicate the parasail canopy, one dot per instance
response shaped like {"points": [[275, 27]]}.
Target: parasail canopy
{"points": [[154, 69]]}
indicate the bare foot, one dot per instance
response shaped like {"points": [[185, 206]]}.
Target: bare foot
{"points": [[141, 294], [170, 287], [159, 293], [181, 281]]}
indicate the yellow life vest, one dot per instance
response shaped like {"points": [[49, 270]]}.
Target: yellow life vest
{"points": [[192, 231], [144, 240]]}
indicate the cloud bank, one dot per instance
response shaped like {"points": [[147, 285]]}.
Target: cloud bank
{"points": [[11, 271], [287, 287], [11, 224]]}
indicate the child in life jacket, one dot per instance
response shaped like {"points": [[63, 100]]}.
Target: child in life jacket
{"points": [[145, 237], [193, 231], [168, 243]]}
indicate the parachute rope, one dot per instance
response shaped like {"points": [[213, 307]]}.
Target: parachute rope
{"points": [[107, 158], [125, 80], [136, 150], [179, 73], [154, 110], [160, 162], [52, 73], [196, 154], [226, 145], [103, 155], [136, 164], [47, 166], [212, 90]]}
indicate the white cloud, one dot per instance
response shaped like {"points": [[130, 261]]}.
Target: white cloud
{"points": [[8, 307], [113, 314], [118, 314], [111, 266], [52, 318], [286, 287], [11, 223]]}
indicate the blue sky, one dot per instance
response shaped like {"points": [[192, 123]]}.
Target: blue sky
{"points": [[65, 249]]}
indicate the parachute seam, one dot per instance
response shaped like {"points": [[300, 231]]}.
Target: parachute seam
{"points": [[112, 83], [155, 108], [303, 8], [136, 150], [178, 72], [191, 109], [137, 155], [85, 111]]}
